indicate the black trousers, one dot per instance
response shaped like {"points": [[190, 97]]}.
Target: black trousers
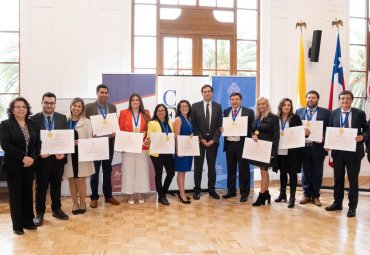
{"points": [[234, 159], [284, 172], [211, 155], [343, 160], [50, 171], [166, 161], [20, 190], [312, 171]]}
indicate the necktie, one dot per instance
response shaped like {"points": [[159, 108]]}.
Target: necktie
{"points": [[235, 111], [207, 117], [49, 122], [346, 124], [311, 112]]}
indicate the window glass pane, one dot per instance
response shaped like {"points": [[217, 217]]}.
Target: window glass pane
{"points": [[146, 1], [9, 47], [248, 74], [357, 84], [209, 72], [9, 15], [170, 53], [223, 54], [4, 104], [174, 2], [357, 58], [147, 25], [145, 52], [247, 55], [247, 24], [207, 3], [248, 4], [170, 72], [144, 71], [224, 16], [185, 72], [209, 54], [188, 2], [9, 78], [223, 72], [185, 53], [357, 8], [225, 3], [169, 13], [357, 31]]}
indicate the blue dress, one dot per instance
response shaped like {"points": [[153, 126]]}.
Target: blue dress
{"points": [[183, 164]]}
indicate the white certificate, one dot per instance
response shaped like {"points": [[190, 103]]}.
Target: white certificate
{"points": [[292, 138], [187, 145], [343, 139], [57, 141], [239, 127], [128, 142], [258, 151], [93, 149], [107, 126], [160, 143], [316, 128]]}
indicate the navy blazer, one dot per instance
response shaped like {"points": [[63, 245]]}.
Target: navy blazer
{"points": [[14, 145], [358, 121], [322, 114], [198, 120], [244, 112]]}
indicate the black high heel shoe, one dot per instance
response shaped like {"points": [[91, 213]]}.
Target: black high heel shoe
{"points": [[268, 196], [184, 201], [281, 198]]}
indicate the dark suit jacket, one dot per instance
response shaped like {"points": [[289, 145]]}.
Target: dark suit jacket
{"points": [[92, 109], [60, 122], [358, 121], [244, 112], [198, 120], [324, 115], [14, 145]]}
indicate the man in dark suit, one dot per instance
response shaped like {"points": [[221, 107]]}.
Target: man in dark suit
{"points": [[101, 106], [348, 117], [51, 167], [206, 118], [233, 145], [314, 153]]}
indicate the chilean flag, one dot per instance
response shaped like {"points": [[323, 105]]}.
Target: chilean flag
{"points": [[337, 78]]}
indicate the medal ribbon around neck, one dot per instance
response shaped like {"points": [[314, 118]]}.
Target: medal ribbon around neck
{"points": [[283, 124], [232, 113], [343, 122], [71, 125], [47, 124], [309, 116], [136, 120], [165, 127], [104, 114]]}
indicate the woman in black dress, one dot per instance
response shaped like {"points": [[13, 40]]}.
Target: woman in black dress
{"points": [[265, 127], [20, 140], [289, 160]]}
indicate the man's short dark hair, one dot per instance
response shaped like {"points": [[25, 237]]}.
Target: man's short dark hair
{"points": [[49, 94], [313, 92], [101, 86], [236, 94], [206, 86], [346, 92]]}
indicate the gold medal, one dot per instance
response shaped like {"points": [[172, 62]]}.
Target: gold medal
{"points": [[341, 131], [105, 122], [167, 138], [233, 124], [136, 129], [282, 133], [256, 132], [308, 124], [50, 134], [191, 136]]}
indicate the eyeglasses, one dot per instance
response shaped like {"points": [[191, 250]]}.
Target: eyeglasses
{"points": [[161, 110], [18, 107], [48, 103]]}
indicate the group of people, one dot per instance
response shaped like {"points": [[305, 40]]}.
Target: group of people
{"points": [[20, 140]]}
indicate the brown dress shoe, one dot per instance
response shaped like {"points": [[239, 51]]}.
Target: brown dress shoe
{"points": [[112, 200], [305, 200], [94, 203], [316, 201]]}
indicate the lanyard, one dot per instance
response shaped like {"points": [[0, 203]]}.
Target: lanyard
{"points": [[258, 123], [283, 124], [136, 120], [309, 116], [232, 113], [343, 122], [165, 127], [189, 124], [71, 125], [47, 123], [104, 114]]}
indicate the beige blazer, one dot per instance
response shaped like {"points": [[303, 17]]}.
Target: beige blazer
{"points": [[85, 169]]}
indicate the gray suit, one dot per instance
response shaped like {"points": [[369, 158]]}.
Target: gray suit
{"points": [[198, 119]]}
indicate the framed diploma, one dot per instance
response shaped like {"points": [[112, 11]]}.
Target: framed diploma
{"points": [[187, 145], [239, 127], [342, 139], [258, 151], [162, 143], [292, 138], [57, 141], [107, 126], [316, 128], [128, 142], [93, 149]]}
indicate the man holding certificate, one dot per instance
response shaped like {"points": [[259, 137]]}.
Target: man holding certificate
{"points": [[102, 107], [348, 117], [314, 153], [51, 167], [233, 145]]}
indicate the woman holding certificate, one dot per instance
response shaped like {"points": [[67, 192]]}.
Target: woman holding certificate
{"points": [[160, 123], [265, 127], [20, 140], [135, 166], [183, 126], [76, 171], [289, 161]]}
